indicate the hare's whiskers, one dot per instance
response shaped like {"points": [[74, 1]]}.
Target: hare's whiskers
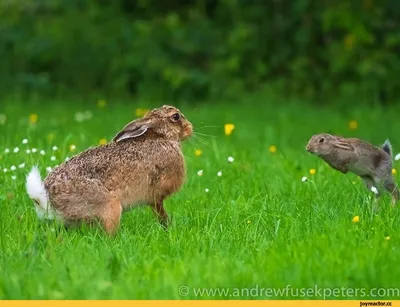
{"points": [[203, 127], [191, 143], [203, 134], [197, 138]]}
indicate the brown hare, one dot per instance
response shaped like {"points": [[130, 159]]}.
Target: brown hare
{"points": [[143, 164], [372, 164]]}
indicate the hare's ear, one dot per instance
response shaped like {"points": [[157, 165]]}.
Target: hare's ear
{"points": [[343, 145], [132, 130]]}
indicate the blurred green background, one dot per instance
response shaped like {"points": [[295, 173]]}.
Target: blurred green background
{"points": [[201, 49]]}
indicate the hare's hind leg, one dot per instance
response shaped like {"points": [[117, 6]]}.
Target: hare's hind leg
{"points": [[111, 216], [159, 210], [386, 180], [384, 177], [370, 184], [391, 187], [86, 200]]}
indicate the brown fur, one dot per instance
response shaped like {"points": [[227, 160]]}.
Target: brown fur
{"points": [[372, 164], [143, 165]]}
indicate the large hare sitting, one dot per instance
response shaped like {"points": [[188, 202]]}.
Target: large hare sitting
{"points": [[143, 165]]}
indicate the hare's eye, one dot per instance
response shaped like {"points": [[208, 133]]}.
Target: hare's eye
{"points": [[321, 140], [176, 117]]}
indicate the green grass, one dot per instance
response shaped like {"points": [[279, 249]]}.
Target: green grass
{"points": [[259, 226]]}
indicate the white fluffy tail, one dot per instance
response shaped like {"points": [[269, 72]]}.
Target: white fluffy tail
{"points": [[37, 192]]}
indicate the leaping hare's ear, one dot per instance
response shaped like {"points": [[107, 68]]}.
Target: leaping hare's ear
{"points": [[132, 130], [341, 143]]}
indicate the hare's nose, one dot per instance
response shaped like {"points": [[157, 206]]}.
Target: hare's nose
{"points": [[308, 148]]}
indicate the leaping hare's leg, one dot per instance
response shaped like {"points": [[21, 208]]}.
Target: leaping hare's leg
{"points": [[369, 184], [111, 216], [384, 177], [391, 187], [159, 210]]}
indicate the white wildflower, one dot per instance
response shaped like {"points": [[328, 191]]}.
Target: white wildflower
{"points": [[6, 150], [374, 190], [79, 117], [53, 158], [34, 150], [13, 177], [304, 179], [219, 174], [397, 157], [5, 170], [3, 119], [55, 148], [230, 159], [67, 159], [88, 115], [42, 152], [13, 168], [28, 151], [22, 165], [48, 169], [25, 141], [16, 149], [207, 190], [200, 173]]}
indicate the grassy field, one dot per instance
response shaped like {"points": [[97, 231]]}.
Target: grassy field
{"points": [[257, 231]]}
